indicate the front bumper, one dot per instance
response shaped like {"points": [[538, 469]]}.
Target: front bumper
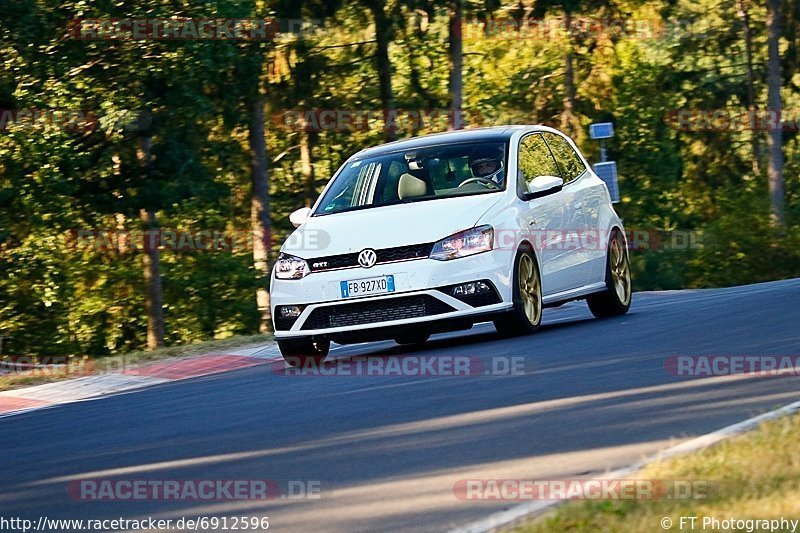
{"points": [[420, 296]]}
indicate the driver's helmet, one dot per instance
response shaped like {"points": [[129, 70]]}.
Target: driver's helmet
{"points": [[486, 162]]}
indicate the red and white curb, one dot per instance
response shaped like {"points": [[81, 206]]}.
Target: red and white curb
{"points": [[27, 399], [507, 519]]}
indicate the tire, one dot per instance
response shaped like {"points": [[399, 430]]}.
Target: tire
{"points": [[526, 317], [304, 351], [412, 338], [616, 299]]}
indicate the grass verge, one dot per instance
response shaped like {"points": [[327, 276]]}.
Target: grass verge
{"points": [[753, 476], [79, 367]]}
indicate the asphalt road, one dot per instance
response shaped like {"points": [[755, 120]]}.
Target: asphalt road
{"points": [[387, 451]]}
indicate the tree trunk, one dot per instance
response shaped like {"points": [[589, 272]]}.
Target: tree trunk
{"points": [[456, 65], [382, 38], [752, 106], [414, 80], [307, 139], [154, 299], [775, 137], [259, 210], [568, 119], [154, 292]]}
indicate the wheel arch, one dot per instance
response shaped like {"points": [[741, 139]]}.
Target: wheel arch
{"points": [[526, 246], [617, 228]]}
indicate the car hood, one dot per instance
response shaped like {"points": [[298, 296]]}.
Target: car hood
{"points": [[388, 227]]}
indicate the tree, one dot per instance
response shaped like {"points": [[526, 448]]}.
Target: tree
{"points": [[384, 31], [775, 137], [154, 291], [752, 105], [260, 208], [456, 57]]}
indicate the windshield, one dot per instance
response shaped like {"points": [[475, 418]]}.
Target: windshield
{"points": [[427, 173]]}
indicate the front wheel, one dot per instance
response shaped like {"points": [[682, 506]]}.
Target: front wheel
{"points": [[304, 351], [527, 313], [616, 299]]}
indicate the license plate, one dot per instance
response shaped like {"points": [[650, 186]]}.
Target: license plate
{"points": [[366, 287]]}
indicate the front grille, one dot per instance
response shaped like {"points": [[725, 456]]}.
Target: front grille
{"points": [[386, 255], [371, 312], [404, 253]]}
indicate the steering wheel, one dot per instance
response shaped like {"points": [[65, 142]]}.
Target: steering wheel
{"points": [[483, 181]]}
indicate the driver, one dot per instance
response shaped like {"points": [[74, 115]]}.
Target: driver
{"points": [[486, 163]]}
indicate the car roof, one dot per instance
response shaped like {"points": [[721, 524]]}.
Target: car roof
{"points": [[498, 133]]}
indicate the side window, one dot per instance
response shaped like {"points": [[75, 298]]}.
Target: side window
{"points": [[568, 159], [389, 188], [364, 190], [535, 159]]}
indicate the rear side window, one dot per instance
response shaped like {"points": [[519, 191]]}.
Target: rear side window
{"points": [[535, 160], [572, 166]]}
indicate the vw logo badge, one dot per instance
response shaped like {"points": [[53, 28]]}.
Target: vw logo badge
{"points": [[367, 258]]}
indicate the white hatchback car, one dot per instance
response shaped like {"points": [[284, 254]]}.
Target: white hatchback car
{"points": [[441, 232]]}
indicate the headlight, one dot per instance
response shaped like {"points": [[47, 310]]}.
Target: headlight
{"points": [[470, 242], [291, 267]]}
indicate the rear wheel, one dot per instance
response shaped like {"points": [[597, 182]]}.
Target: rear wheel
{"points": [[527, 313], [616, 299], [304, 351], [412, 338]]}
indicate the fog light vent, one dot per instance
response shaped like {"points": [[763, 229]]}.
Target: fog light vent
{"points": [[286, 316], [476, 293], [291, 311], [470, 289]]}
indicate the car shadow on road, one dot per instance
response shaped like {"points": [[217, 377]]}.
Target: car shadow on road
{"points": [[470, 338]]}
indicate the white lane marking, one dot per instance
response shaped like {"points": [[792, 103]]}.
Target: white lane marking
{"points": [[519, 512], [258, 352], [99, 386], [75, 390], [26, 410], [80, 388]]}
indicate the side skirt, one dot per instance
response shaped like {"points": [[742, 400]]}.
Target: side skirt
{"points": [[559, 299]]}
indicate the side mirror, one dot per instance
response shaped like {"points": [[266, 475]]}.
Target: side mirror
{"points": [[543, 186], [299, 217]]}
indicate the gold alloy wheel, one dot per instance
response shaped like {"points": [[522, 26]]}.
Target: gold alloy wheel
{"points": [[530, 289], [620, 272]]}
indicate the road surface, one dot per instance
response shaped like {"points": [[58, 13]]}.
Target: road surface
{"points": [[387, 451]]}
